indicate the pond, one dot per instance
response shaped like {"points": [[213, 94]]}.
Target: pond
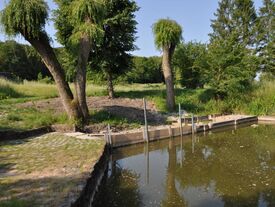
{"points": [[235, 167]]}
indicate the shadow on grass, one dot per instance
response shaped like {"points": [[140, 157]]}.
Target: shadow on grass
{"points": [[141, 94], [135, 115], [47, 191], [5, 168], [119, 115], [8, 92]]}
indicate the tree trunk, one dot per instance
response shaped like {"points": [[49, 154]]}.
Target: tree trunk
{"points": [[110, 85], [168, 76], [80, 79], [48, 56]]}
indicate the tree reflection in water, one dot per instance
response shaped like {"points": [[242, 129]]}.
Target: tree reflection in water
{"points": [[226, 169], [172, 198], [120, 189]]}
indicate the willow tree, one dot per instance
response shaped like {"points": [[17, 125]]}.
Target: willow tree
{"points": [[79, 28], [168, 34], [28, 18]]}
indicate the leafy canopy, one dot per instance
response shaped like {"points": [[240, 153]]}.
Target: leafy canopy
{"points": [[112, 54], [168, 33], [77, 18], [26, 17], [190, 61]]}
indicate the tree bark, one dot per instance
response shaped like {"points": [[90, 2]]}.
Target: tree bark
{"points": [[48, 56], [168, 76], [110, 85], [80, 79]]}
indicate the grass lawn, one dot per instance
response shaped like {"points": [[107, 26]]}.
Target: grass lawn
{"points": [[260, 101], [46, 170]]}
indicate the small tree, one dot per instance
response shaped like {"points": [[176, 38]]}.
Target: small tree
{"points": [[112, 54], [168, 34], [231, 59]]}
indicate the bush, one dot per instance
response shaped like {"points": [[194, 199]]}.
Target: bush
{"points": [[46, 79]]}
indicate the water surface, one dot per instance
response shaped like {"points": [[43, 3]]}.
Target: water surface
{"points": [[231, 168]]}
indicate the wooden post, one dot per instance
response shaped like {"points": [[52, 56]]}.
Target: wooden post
{"points": [[184, 119], [145, 136], [147, 164], [106, 137], [109, 135], [180, 121], [193, 127], [170, 131], [193, 144]]}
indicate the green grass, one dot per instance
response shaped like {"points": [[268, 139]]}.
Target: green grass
{"points": [[19, 119], [44, 170], [104, 117], [259, 101], [16, 203], [27, 89]]}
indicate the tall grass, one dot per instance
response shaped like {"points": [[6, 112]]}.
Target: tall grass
{"points": [[262, 99], [26, 89], [259, 101]]}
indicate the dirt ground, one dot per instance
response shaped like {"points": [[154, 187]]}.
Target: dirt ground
{"points": [[131, 109]]}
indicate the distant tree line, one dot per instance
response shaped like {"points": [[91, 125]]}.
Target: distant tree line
{"points": [[24, 62]]}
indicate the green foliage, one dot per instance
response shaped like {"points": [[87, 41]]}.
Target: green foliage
{"points": [[261, 99], [232, 68], [26, 17], [16, 203], [112, 55], [233, 64], [190, 61], [167, 33], [235, 18], [46, 79], [21, 60], [105, 117], [266, 36], [145, 70], [75, 19], [92, 9]]}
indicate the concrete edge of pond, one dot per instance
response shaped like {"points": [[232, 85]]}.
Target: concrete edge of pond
{"points": [[86, 197], [269, 119], [129, 138]]}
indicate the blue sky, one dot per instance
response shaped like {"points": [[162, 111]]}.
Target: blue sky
{"points": [[193, 15]]}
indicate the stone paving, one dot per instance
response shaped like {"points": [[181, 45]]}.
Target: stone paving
{"points": [[48, 170]]}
